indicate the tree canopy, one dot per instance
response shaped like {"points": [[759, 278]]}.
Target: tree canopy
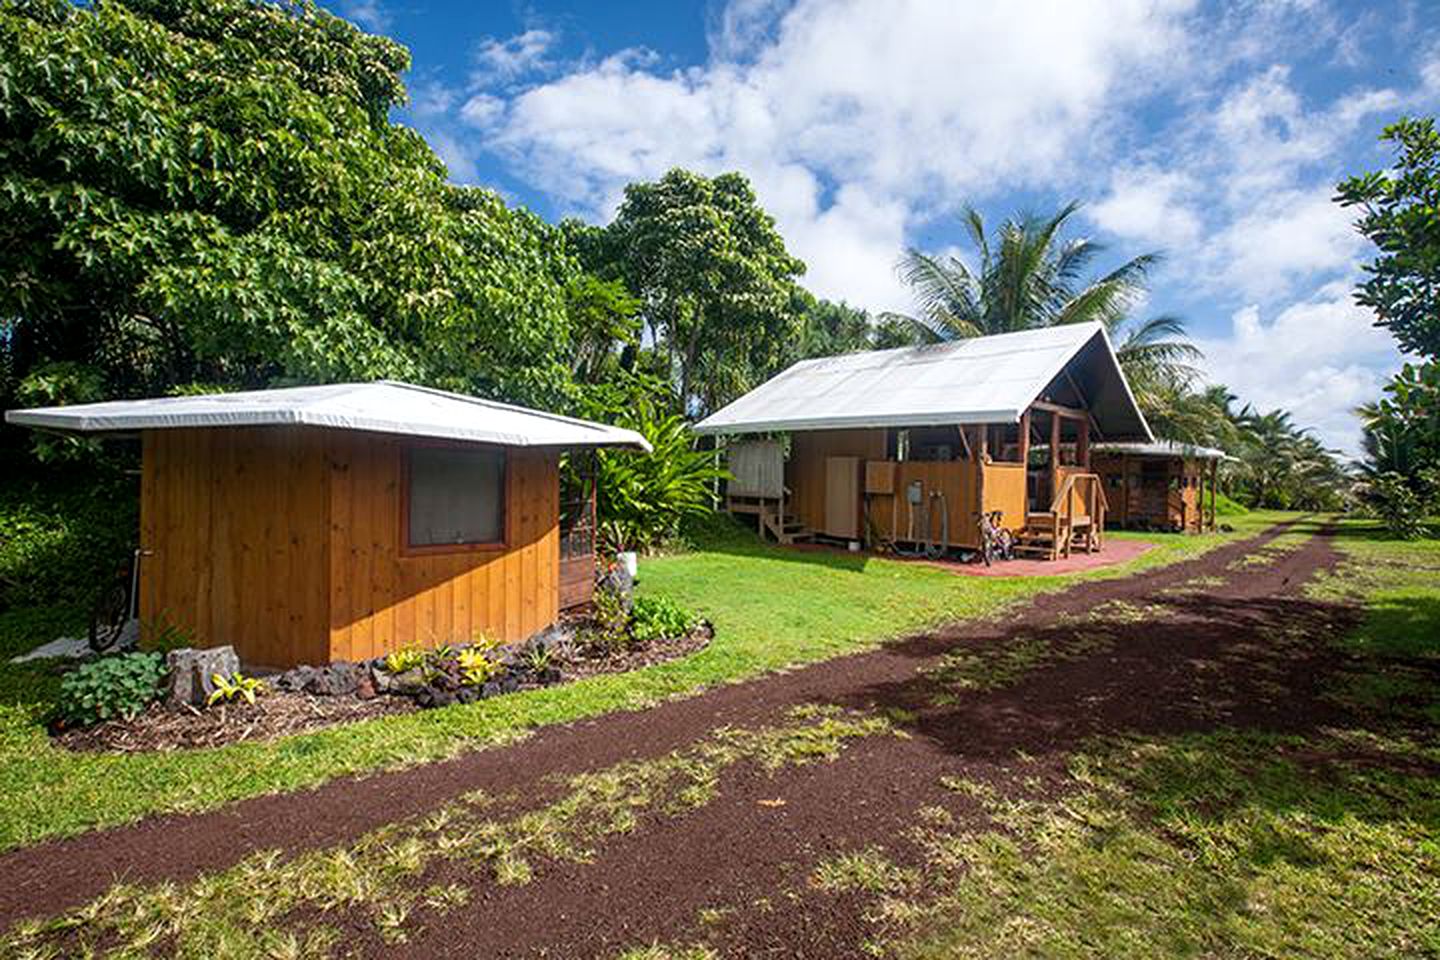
{"points": [[1400, 214], [714, 279], [212, 191]]}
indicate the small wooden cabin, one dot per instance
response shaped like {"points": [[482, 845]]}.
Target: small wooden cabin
{"points": [[341, 522], [1160, 486], [907, 447]]}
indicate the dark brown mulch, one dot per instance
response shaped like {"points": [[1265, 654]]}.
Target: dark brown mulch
{"points": [[737, 851], [625, 660], [274, 714]]}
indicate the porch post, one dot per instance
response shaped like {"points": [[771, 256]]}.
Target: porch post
{"points": [[1082, 446], [1054, 455], [1025, 437], [1214, 481]]}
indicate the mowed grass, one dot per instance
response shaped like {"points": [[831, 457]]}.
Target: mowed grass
{"points": [[1231, 842], [772, 608]]}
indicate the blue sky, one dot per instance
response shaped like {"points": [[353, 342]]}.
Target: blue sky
{"points": [[1213, 132]]}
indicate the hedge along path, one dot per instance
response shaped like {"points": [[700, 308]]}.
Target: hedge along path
{"points": [[45, 878]]}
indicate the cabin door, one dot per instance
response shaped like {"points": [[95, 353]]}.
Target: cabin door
{"points": [[577, 531]]}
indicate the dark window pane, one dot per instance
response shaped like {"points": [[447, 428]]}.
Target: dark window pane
{"points": [[456, 496]]}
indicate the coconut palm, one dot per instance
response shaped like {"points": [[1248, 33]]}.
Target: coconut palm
{"points": [[1028, 276]]}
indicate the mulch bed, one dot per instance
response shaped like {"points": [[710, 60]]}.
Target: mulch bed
{"points": [[274, 714], [278, 713], [742, 847]]}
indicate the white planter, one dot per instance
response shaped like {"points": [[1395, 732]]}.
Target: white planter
{"points": [[630, 561]]}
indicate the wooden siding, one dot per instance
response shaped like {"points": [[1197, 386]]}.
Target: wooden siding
{"points": [[955, 479], [285, 542], [806, 469], [382, 599], [1005, 491], [233, 525], [1159, 493]]}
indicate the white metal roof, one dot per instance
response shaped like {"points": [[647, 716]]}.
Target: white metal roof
{"points": [[384, 407], [1164, 448], [981, 380]]}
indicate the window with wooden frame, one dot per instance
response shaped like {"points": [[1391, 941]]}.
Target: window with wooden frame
{"points": [[454, 498]]}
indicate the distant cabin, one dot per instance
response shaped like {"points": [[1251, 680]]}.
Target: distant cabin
{"points": [[905, 448], [342, 522], [1160, 486]]}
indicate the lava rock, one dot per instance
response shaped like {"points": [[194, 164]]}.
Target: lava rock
{"points": [[509, 683], [293, 680], [335, 680], [191, 670], [549, 675], [468, 694], [380, 679], [431, 697], [491, 689], [406, 684], [365, 689]]}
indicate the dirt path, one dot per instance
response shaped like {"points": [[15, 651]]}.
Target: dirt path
{"points": [[1175, 649]]}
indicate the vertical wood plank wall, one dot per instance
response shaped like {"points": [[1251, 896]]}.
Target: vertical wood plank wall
{"points": [[806, 469], [381, 599], [284, 542], [1143, 497], [956, 479], [234, 525], [1005, 491]]}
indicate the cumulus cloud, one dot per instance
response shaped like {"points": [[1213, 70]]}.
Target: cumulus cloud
{"points": [[1322, 356], [1152, 205], [499, 62]]}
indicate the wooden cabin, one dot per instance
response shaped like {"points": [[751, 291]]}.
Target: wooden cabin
{"points": [[905, 448], [1159, 486], [341, 522]]}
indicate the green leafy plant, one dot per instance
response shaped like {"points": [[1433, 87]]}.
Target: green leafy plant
{"points": [[476, 668], [539, 659], [404, 660], [609, 629], [237, 685], [641, 499], [1395, 501], [485, 642], [113, 687], [655, 618]]}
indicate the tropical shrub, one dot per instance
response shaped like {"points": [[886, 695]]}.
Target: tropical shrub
{"points": [[1396, 501], [235, 686], [404, 660], [655, 618], [117, 686], [642, 499], [476, 667]]}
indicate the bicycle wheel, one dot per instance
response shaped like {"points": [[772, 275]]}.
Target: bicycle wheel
{"points": [[108, 616]]}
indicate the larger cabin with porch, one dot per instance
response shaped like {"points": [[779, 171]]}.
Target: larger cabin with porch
{"points": [[908, 448]]}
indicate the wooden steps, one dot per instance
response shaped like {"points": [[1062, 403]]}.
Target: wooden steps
{"points": [[774, 519]]}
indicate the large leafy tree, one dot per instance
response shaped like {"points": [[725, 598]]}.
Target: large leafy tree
{"points": [[714, 279], [1400, 213], [211, 191], [1028, 274]]}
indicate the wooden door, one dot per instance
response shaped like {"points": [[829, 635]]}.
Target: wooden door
{"points": [[842, 497]]}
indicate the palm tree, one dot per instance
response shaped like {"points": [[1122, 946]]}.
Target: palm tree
{"points": [[1029, 277]]}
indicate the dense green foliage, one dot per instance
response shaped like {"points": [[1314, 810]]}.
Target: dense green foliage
{"points": [[657, 617], [1402, 449], [1400, 213], [212, 192], [121, 685], [642, 500], [63, 532], [715, 280]]}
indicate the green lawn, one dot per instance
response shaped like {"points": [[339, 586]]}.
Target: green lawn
{"points": [[1227, 843], [772, 608]]}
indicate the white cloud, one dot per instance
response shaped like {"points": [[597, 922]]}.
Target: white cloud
{"points": [[499, 62], [1282, 239], [373, 15], [1320, 357], [1151, 205], [855, 120]]}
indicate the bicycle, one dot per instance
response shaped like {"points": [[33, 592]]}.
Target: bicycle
{"points": [[116, 606], [995, 540]]}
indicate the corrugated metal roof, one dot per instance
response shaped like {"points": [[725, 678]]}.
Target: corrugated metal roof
{"points": [[1164, 448], [384, 407], [980, 380]]}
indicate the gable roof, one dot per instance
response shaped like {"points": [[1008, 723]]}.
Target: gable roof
{"points": [[980, 380], [384, 406]]}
